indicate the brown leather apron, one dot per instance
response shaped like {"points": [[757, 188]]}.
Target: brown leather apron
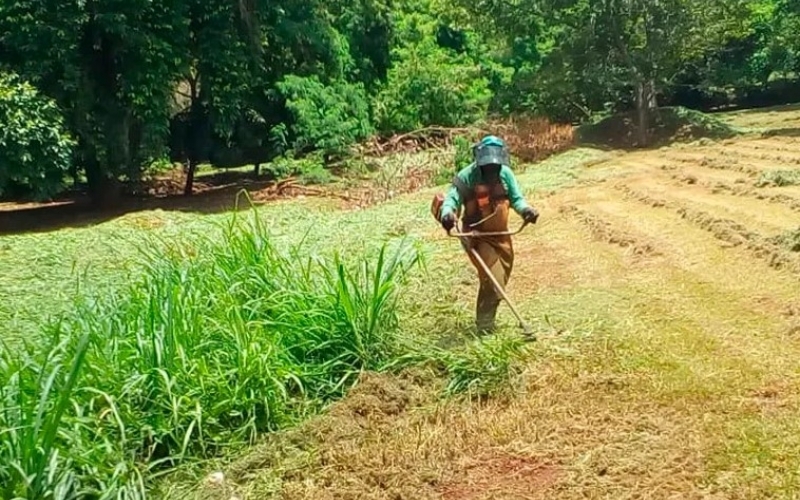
{"points": [[497, 252]]}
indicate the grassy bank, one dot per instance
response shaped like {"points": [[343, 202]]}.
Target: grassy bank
{"points": [[219, 339]]}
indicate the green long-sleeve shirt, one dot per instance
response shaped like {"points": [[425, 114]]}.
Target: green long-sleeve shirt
{"points": [[472, 176]]}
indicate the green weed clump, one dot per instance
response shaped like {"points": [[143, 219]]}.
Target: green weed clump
{"points": [[790, 240], [778, 178], [219, 340], [481, 368]]}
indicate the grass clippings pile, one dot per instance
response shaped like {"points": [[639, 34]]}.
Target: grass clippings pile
{"points": [[789, 240]]}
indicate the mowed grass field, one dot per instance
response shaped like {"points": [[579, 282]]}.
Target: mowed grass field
{"points": [[664, 286]]}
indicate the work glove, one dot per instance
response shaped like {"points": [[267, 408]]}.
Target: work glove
{"points": [[448, 221], [530, 215]]}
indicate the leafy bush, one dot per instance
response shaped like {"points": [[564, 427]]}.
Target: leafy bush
{"points": [[310, 169], [35, 149], [219, 341], [326, 117]]}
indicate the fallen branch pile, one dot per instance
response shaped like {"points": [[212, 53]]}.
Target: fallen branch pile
{"points": [[290, 188], [529, 138], [414, 141], [533, 139]]}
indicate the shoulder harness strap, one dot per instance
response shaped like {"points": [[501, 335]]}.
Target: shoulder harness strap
{"points": [[499, 191], [463, 190]]}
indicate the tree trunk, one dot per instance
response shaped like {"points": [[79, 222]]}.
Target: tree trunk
{"points": [[189, 187], [198, 131], [644, 119], [117, 141], [73, 172], [109, 154], [645, 104], [104, 190]]}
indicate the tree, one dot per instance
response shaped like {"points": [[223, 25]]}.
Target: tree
{"points": [[111, 65], [639, 46], [787, 13], [223, 42], [429, 84], [591, 54], [35, 149]]}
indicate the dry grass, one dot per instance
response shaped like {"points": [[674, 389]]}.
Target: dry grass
{"points": [[533, 139], [530, 138]]}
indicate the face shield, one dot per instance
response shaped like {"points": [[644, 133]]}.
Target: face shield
{"points": [[491, 154]]}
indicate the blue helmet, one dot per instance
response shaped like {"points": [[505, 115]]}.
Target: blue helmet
{"points": [[491, 150]]}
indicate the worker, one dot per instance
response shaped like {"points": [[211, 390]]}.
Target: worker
{"points": [[486, 189]]}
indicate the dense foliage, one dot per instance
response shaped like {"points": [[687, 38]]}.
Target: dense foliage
{"points": [[245, 82]]}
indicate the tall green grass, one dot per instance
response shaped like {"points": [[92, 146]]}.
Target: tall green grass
{"points": [[221, 339]]}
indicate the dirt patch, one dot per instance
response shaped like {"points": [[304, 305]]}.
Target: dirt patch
{"points": [[501, 476], [541, 265]]}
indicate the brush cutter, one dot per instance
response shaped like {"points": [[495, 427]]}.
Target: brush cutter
{"points": [[526, 329]]}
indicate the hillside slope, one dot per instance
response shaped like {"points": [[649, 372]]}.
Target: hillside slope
{"points": [[664, 285]]}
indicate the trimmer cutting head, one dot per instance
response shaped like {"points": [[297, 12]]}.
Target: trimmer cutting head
{"points": [[527, 332]]}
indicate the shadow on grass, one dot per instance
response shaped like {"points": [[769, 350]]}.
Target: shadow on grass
{"points": [[781, 108], [215, 194], [783, 132]]}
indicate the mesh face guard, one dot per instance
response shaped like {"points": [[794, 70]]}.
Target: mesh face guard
{"points": [[487, 154]]}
